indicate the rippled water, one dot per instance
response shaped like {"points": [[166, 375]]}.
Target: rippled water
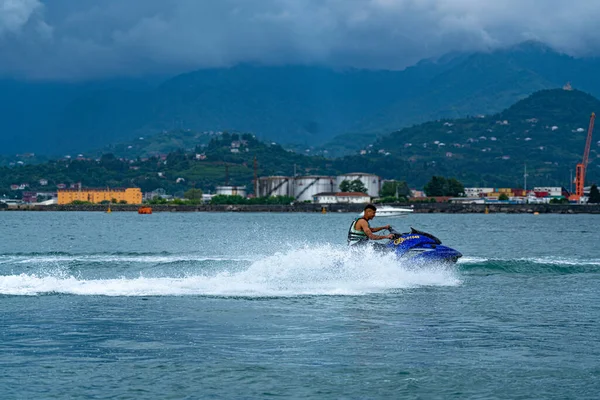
{"points": [[259, 305]]}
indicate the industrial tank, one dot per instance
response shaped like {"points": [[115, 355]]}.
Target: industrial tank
{"points": [[275, 186], [372, 182], [231, 190], [306, 187]]}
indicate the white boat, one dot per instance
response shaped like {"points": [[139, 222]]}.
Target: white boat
{"points": [[390, 211]]}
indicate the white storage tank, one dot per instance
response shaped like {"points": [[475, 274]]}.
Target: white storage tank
{"points": [[306, 187], [231, 190], [370, 181], [275, 186]]}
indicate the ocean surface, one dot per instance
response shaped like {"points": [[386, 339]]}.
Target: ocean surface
{"points": [[251, 306]]}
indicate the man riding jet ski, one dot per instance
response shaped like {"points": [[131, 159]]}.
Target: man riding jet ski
{"points": [[414, 245], [360, 232]]}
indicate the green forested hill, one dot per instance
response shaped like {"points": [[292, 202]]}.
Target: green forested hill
{"points": [[205, 167], [546, 131]]}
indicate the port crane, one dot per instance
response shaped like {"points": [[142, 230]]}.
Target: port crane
{"points": [[582, 166]]}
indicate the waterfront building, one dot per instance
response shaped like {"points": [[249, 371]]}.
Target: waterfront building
{"points": [[231, 190], [159, 193], [370, 181], [552, 191], [467, 200], [130, 195], [12, 202], [275, 186], [29, 197], [306, 187], [477, 191]]}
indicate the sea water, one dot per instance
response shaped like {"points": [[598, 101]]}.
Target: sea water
{"points": [[239, 305]]}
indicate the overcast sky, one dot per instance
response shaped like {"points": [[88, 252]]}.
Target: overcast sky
{"points": [[88, 39]]}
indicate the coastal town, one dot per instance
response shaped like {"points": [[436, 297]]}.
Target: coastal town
{"points": [[351, 188]]}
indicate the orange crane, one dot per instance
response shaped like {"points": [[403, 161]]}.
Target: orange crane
{"points": [[581, 167]]}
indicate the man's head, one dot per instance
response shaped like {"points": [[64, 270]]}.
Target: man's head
{"points": [[370, 211]]}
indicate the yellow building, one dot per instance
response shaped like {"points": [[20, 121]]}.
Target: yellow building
{"points": [[507, 191], [130, 195]]}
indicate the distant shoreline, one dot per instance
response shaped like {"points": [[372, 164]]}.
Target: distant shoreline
{"points": [[419, 208]]}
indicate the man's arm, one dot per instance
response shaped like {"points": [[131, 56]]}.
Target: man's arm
{"points": [[362, 224], [380, 228]]}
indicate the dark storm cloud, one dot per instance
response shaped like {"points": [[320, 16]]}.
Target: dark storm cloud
{"points": [[65, 39]]}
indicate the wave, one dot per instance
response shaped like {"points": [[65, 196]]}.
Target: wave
{"points": [[324, 270], [152, 258], [532, 265], [120, 256]]}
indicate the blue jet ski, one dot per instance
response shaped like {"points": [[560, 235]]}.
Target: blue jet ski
{"points": [[421, 246]]}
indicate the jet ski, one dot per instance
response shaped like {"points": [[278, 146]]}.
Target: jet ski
{"points": [[421, 246]]}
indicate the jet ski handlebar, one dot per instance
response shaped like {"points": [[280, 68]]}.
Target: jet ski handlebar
{"points": [[412, 232], [394, 232]]}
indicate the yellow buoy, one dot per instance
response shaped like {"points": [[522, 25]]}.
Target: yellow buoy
{"points": [[108, 211]]}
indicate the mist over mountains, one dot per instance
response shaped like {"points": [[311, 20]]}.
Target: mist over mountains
{"points": [[306, 105]]}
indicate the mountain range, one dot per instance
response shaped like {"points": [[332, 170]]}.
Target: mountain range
{"points": [[296, 105], [543, 134]]}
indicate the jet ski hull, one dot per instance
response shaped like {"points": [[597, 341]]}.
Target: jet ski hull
{"points": [[422, 247], [440, 254]]}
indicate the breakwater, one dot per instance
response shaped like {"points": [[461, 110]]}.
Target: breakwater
{"points": [[450, 208]]}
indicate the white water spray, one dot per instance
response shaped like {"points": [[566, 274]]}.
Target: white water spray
{"points": [[324, 270]]}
